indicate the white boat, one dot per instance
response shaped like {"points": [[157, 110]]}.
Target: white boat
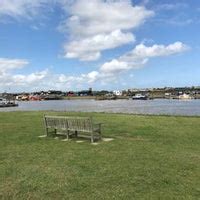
{"points": [[185, 96], [139, 97], [5, 103]]}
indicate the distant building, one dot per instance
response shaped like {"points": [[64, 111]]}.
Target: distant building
{"points": [[71, 94], [117, 93], [86, 92]]}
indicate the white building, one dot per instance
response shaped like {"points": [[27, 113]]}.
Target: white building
{"points": [[117, 93]]}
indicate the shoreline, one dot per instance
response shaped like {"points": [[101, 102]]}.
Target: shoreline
{"points": [[100, 112]]}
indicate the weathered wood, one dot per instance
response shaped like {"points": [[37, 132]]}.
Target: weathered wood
{"points": [[73, 124], [46, 129], [56, 123]]}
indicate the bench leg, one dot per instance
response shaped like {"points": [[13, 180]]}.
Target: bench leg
{"points": [[47, 133], [92, 138], [100, 136], [67, 135], [76, 133]]}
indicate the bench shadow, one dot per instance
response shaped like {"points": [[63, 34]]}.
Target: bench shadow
{"points": [[78, 138]]}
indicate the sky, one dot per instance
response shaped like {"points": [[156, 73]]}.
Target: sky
{"points": [[104, 44]]}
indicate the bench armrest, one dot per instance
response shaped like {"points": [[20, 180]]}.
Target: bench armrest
{"points": [[98, 123], [97, 126]]}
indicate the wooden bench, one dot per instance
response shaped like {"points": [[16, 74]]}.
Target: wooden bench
{"points": [[73, 125]]}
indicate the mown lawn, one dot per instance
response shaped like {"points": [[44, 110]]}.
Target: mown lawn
{"points": [[151, 157]]}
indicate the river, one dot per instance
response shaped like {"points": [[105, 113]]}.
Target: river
{"points": [[156, 106]]}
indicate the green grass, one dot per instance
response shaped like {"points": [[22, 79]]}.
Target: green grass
{"points": [[151, 157]]}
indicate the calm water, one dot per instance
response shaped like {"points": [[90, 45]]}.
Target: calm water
{"points": [[161, 106]]}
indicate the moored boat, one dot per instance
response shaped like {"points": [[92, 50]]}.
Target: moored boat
{"points": [[8, 104], [4, 103], [184, 96], [139, 97]]}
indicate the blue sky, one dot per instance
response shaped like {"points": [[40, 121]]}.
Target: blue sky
{"points": [[113, 44]]}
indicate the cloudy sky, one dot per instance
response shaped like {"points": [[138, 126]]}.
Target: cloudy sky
{"points": [[103, 44]]}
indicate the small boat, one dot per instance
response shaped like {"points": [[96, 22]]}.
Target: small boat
{"points": [[4, 103], [139, 97], [8, 105], [185, 96]]}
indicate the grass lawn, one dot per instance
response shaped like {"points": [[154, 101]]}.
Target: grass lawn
{"points": [[151, 157]]}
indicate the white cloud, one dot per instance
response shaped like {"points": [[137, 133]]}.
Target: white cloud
{"points": [[33, 78], [140, 56], [11, 64], [21, 8], [143, 51], [40, 80], [115, 66], [90, 48], [81, 79], [108, 72], [91, 26], [7, 78], [98, 16], [91, 77], [98, 25]]}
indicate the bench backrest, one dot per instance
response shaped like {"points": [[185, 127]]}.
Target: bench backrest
{"points": [[83, 124], [59, 122]]}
